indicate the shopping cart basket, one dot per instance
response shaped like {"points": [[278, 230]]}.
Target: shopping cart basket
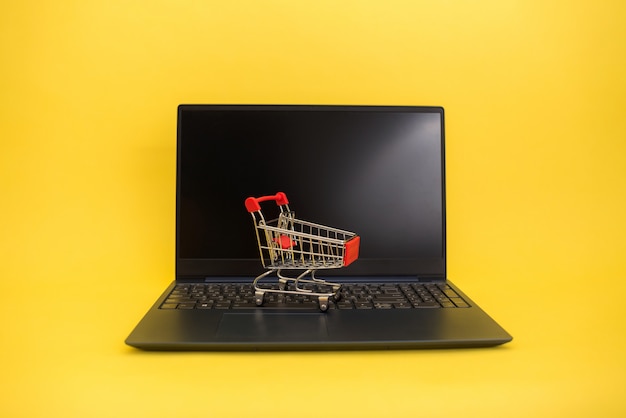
{"points": [[288, 243]]}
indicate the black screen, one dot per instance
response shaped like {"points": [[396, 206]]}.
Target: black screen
{"points": [[376, 171]]}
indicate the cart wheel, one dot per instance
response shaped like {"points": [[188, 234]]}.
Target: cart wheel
{"points": [[323, 301], [258, 298]]}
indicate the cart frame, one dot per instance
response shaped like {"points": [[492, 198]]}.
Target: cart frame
{"points": [[288, 243]]}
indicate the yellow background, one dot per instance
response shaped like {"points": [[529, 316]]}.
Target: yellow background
{"points": [[534, 93]]}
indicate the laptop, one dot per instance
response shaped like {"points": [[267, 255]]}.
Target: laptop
{"points": [[375, 171]]}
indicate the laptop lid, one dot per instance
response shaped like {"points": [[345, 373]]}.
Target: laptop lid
{"points": [[374, 170]]}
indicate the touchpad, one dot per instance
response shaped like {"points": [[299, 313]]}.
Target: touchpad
{"points": [[272, 327]]}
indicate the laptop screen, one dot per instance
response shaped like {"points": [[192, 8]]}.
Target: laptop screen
{"points": [[376, 171]]}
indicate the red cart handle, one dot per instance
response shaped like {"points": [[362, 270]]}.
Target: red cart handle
{"points": [[252, 203]]}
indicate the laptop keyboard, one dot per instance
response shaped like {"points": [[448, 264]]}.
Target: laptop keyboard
{"points": [[352, 296]]}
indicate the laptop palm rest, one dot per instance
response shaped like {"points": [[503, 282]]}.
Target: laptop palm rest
{"points": [[270, 327]]}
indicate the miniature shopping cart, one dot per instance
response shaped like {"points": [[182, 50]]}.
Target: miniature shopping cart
{"points": [[287, 243]]}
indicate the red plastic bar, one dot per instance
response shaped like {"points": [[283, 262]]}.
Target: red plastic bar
{"points": [[352, 250], [253, 203], [285, 242]]}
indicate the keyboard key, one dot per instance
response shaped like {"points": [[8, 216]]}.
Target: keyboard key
{"points": [[285, 305], [426, 305], [244, 305], [390, 299], [460, 303]]}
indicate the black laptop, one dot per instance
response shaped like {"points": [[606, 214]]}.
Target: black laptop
{"points": [[376, 171]]}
